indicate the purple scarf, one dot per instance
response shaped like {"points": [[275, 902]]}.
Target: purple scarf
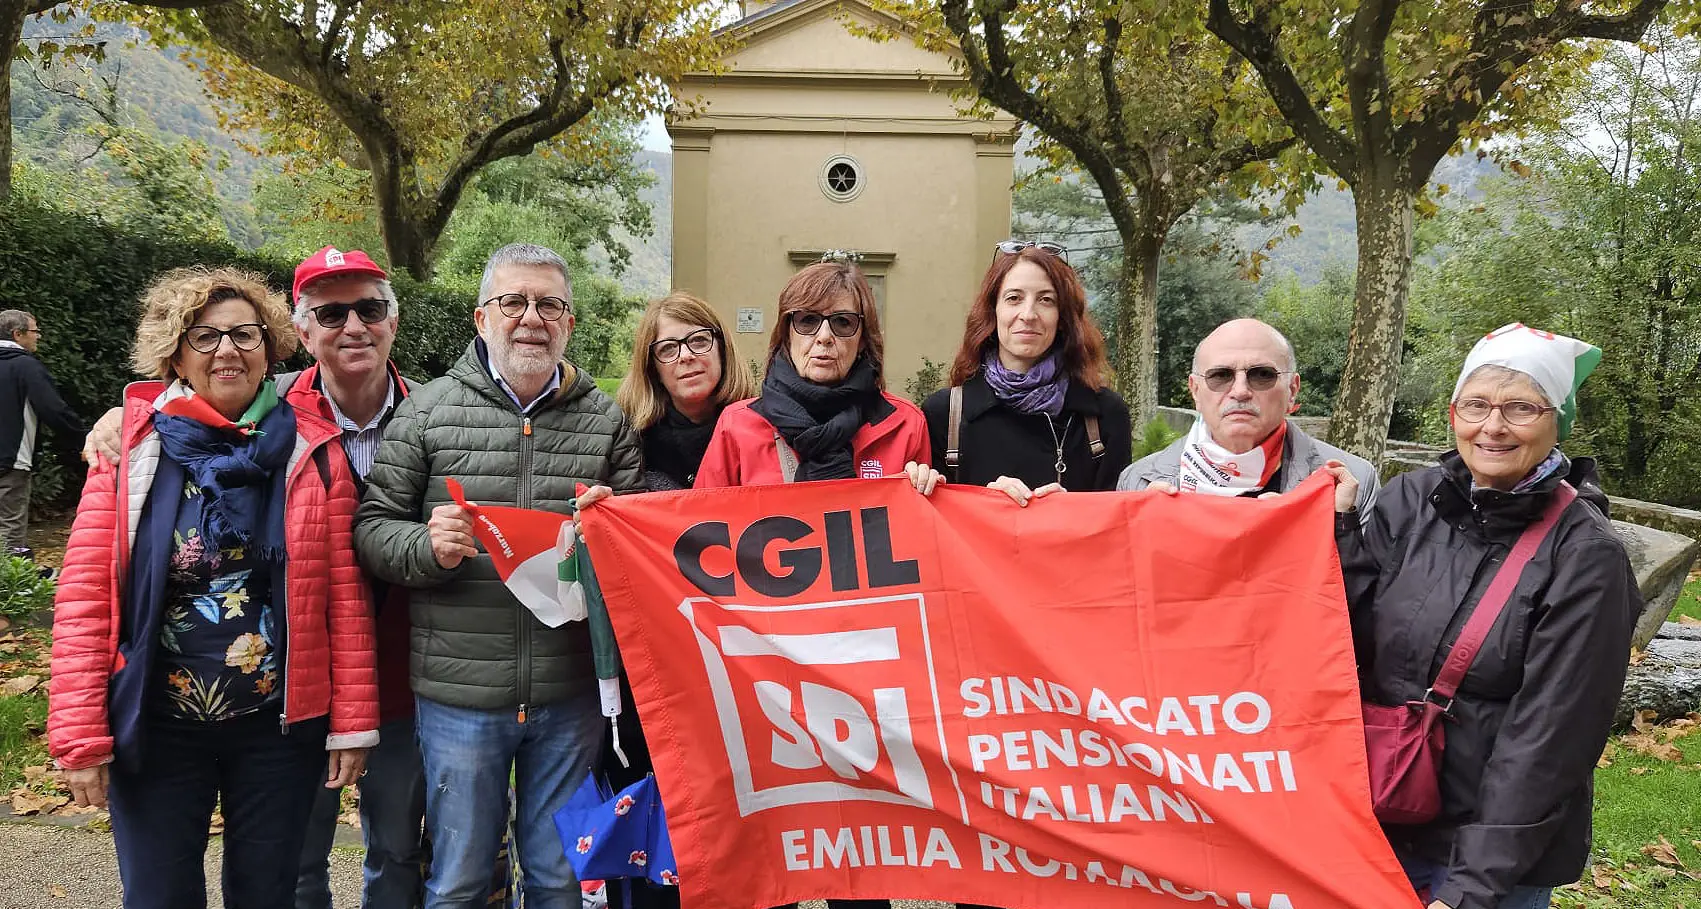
{"points": [[1039, 390]]}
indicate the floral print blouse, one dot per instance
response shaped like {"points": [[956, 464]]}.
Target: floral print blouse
{"points": [[218, 652]]}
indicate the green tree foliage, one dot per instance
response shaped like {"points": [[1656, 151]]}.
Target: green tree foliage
{"points": [[1381, 91], [82, 277], [14, 14], [1602, 241], [422, 96], [1144, 101], [93, 153], [1200, 286]]}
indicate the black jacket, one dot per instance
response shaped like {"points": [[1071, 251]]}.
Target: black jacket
{"points": [[27, 396], [1534, 710], [996, 440]]}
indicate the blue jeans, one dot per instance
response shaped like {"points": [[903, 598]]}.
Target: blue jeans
{"points": [[469, 755], [392, 818], [1427, 877], [263, 781]]}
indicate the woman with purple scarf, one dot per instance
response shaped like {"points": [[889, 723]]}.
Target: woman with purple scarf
{"points": [[1030, 410]]}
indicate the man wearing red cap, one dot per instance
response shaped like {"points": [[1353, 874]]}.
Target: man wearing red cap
{"points": [[346, 315], [345, 312]]}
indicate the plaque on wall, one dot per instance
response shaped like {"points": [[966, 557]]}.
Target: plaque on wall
{"points": [[750, 319]]}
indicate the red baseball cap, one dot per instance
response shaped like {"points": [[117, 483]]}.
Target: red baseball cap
{"points": [[333, 261]]}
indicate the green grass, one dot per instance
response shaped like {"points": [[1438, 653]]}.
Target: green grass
{"points": [[1639, 799], [1688, 602], [608, 385], [22, 719]]}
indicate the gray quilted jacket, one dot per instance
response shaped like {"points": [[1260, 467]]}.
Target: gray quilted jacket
{"points": [[473, 645]]}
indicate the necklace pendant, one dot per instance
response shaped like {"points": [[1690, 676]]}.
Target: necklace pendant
{"points": [[1062, 468]]}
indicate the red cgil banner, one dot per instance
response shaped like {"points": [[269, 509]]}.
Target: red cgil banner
{"points": [[1101, 700]]}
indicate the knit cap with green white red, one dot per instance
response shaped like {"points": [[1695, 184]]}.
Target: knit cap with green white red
{"points": [[1557, 364]]}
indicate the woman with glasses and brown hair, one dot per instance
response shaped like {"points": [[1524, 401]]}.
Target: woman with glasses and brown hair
{"points": [[212, 635], [823, 412], [1491, 593], [1030, 410]]}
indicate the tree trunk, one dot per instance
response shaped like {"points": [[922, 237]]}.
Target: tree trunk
{"points": [[1365, 403], [1135, 358], [1633, 472], [12, 16], [407, 245], [409, 239]]}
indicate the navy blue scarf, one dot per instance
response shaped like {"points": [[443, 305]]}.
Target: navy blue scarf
{"points": [[242, 478]]}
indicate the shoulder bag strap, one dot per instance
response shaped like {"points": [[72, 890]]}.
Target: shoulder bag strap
{"points": [[954, 432], [788, 459], [1094, 443], [1488, 609]]}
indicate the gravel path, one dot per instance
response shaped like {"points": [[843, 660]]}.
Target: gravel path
{"points": [[53, 867]]}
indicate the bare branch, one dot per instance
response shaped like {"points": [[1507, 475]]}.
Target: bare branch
{"points": [[1628, 26], [333, 33], [1505, 38], [1258, 46], [993, 75]]}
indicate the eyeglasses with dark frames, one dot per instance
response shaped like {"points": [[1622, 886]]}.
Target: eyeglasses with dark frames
{"points": [[1517, 413], [1012, 247], [699, 342], [206, 339], [1258, 378], [841, 324], [514, 306], [334, 315]]}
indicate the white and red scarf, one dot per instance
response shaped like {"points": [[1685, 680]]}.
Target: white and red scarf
{"points": [[1214, 470]]}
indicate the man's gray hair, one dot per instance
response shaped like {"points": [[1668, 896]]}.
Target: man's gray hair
{"points": [[524, 255], [1287, 346], [304, 300], [13, 321]]}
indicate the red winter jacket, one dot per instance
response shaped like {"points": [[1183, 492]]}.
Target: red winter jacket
{"points": [[742, 451], [330, 666], [395, 698]]}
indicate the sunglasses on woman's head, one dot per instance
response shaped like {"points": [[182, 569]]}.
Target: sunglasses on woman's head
{"points": [[333, 315], [1012, 247], [1258, 378], [841, 324]]}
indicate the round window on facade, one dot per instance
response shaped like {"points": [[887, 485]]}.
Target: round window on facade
{"points": [[842, 178]]}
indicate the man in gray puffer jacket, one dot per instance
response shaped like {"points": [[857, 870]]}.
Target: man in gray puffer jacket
{"points": [[497, 691]]}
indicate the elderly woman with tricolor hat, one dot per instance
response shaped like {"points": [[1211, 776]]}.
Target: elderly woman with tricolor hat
{"points": [[1502, 558]]}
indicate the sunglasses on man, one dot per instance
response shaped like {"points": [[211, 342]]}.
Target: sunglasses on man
{"points": [[1258, 378], [334, 315]]}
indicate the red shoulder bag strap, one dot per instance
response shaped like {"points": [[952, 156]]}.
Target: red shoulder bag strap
{"points": [[1488, 609]]}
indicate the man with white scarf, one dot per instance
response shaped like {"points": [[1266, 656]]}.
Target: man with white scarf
{"points": [[1245, 383]]}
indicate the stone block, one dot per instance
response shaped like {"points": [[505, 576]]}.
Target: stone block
{"points": [[1662, 561], [1668, 678]]}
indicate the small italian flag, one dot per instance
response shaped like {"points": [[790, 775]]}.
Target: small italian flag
{"points": [[533, 552]]}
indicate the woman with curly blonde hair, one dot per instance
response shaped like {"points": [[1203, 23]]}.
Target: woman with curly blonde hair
{"points": [[212, 637]]}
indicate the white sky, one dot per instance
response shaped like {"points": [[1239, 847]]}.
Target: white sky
{"points": [[655, 134]]}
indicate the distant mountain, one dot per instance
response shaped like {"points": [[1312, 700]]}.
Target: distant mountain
{"points": [[651, 271], [1328, 225]]}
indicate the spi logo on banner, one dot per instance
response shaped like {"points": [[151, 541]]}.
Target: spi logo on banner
{"points": [[791, 741]]}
